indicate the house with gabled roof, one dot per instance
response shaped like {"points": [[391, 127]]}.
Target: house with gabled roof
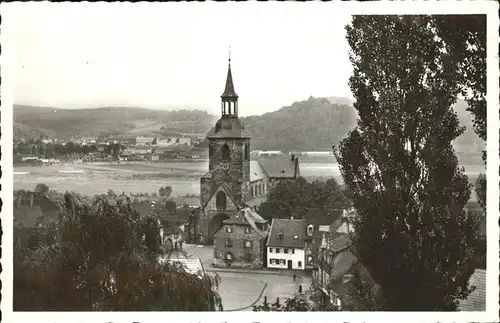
{"points": [[240, 243], [289, 244]]}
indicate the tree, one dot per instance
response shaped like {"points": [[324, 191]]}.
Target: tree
{"points": [[41, 188], [399, 167], [294, 304], [103, 256], [465, 39], [296, 197]]}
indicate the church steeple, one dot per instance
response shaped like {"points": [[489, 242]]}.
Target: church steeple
{"points": [[229, 97]]}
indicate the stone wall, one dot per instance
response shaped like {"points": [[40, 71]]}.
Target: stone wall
{"points": [[238, 250]]}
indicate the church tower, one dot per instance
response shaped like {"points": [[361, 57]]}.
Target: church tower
{"points": [[229, 147]]}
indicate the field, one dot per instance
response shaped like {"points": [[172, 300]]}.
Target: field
{"points": [[183, 177]]}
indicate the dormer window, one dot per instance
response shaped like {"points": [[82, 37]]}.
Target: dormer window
{"points": [[280, 236], [310, 229]]}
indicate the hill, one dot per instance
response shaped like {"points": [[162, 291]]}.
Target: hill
{"points": [[116, 121], [313, 124]]}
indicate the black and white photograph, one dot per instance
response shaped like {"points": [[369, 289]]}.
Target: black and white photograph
{"points": [[171, 158]]}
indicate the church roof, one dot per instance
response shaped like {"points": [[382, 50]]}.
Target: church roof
{"points": [[256, 171], [280, 167], [228, 126], [229, 92]]}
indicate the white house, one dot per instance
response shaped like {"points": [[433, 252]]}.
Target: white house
{"points": [[287, 244]]}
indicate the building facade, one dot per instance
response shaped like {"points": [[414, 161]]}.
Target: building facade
{"points": [[289, 244], [241, 241]]}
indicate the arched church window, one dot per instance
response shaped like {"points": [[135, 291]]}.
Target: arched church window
{"points": [[220, 200], [225, 153]]}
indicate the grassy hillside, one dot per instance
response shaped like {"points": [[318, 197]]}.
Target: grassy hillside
{"points": [[313, 124], [117, 121]]}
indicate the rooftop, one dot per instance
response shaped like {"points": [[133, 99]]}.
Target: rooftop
{"points": [[287, 233], [476, 301], [256, 171], [279, 167]]}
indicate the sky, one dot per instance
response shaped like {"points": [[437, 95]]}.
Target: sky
{"points": [[175, 55]]}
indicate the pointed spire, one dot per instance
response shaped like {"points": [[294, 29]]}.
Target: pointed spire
{"points": [[229, 92]]}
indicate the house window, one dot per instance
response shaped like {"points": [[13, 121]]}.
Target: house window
{"points": [[229, 256], [220, 200], [248, 244], [225, 153], [272, 261], [229, 243], [248, 230], [285, 250], [228, 229], [270, 250], [293, 251], [277, 250], [300, 264], [282, 261]]}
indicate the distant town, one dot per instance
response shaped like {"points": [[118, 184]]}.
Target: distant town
{"points": [[48, 151]]}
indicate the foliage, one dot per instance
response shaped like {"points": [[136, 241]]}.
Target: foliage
{"points": [[296, 197], [298, 303], [165, 191], [465, 39], [41, 188], [481, 190], [103, 256], [362, 293], [400, 169]]}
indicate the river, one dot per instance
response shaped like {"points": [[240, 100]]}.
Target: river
{"points": [[183, 177]]}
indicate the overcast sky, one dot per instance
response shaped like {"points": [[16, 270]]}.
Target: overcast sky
{"points": [[175, 55]]}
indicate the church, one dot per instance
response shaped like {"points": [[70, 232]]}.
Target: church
{"points": [[233, 188]]}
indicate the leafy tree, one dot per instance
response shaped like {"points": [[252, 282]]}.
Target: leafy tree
{"points": [[465, 39], [103, 256], [400, 169], [296, 197], [294, 304], [41, 188]]}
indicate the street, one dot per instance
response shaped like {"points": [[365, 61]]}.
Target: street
{"points": [[242, 288]]}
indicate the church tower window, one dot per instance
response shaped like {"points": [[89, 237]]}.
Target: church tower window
{"points": [[220, 200], [225, 153], [247, 151]]}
